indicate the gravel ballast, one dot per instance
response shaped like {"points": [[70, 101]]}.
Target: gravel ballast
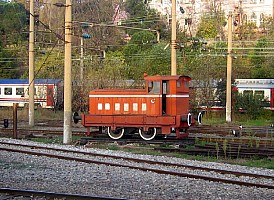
{"points": [[31, 172]]}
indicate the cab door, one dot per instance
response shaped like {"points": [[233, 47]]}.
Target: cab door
{"points": [[154, 98], [165, 92]]}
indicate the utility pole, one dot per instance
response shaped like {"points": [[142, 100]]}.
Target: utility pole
{"points": [[82, 60], [31, 64], [273, 14], [229, 69], [67, 138], [173, 38]]}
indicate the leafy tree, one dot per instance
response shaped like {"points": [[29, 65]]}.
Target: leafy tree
{"points": [[49, 65], [8, 65], [13, 19], [247, 31], [157, 60], [263, 64], [141, 16], [211, 24], [99, 16], [136, 8], [207, 27], [133, 52], [250, 104]]}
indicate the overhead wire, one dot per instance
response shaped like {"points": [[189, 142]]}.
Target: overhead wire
{"points": [[191, 55]]}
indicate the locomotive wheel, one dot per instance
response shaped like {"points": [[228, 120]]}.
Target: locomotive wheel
{"points": [[148, 135], [116, 134]]}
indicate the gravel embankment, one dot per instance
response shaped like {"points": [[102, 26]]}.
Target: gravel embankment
{"points": [[53, 175]]}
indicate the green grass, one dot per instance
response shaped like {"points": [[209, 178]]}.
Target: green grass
{"points": [[39, 114], [220, 119]]}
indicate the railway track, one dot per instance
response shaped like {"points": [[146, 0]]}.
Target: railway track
{"points": [[230, 151], [38, 132], [46, 132], [175, 169], [11, 193], [254, 131]]}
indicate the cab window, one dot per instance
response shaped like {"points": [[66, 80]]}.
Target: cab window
{"points": [[154, 87], [165, 87], [178, 83]]}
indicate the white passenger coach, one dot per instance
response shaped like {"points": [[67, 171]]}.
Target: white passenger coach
{"points": [[47, 92]]}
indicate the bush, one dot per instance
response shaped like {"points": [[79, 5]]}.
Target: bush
{"points": [[249, 104]]}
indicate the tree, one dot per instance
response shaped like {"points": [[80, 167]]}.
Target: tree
{"points": [[141, 16], [250, 104], [263, 63], [212, 22], [139, 44], [13, 20], [48, 66]]}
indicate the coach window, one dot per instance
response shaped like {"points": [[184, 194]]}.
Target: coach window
{"points": [[27, 92], [259, 93], [248, 92], [8, 91], [20, 91], [154, 87]]}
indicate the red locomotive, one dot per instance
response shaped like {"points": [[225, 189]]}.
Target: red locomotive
{"points": [[159, 109]]}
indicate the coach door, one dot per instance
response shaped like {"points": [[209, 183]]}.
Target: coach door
{"points": [[272, 99], [50, 96]]}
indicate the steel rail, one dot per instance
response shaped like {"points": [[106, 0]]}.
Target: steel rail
{"points": [[221, 171], [39, 131], [54, 195], [159, 171]]}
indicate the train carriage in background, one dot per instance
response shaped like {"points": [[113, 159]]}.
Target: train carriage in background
{"points": [[258, 87], [48, 93], [161, 108], [261, 87]]}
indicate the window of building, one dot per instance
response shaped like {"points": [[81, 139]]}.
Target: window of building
{"points": [[244, 19], [253, 17]]}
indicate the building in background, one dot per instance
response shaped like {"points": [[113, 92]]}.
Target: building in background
{"points": [[189, 12]]}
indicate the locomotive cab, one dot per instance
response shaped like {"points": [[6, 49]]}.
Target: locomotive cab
{"points": [[173, 93], [161, 108]]}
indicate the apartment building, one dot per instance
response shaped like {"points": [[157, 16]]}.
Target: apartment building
{"points": [[188, 12]]}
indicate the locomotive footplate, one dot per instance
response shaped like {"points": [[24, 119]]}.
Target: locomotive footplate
{"points": [[128, 120]]}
